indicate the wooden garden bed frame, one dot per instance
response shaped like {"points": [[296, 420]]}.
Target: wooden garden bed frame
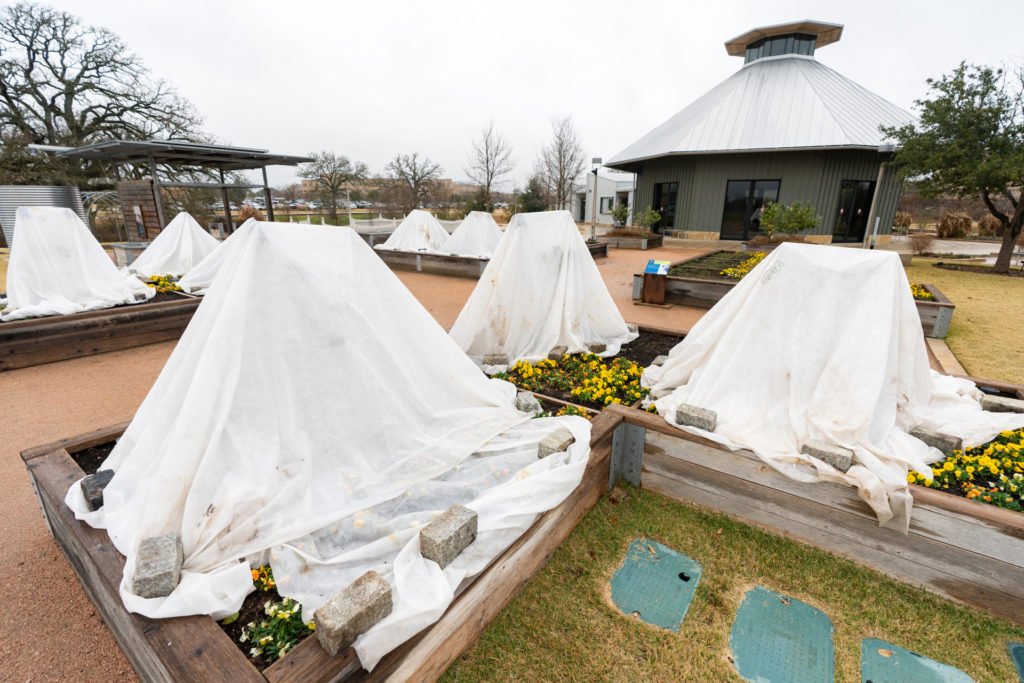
{"points": [[598, 249], [438, 264], [24, 343], [700, 293], [651, 242], [195, 648]]}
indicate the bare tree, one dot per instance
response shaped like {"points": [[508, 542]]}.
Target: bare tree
{"points": [[490, 159], [561, 162], [415, 176], [62, 83], [332, 173]]}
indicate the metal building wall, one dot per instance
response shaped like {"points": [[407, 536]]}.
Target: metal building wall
{"points": [[13, 196], [814, 176]]}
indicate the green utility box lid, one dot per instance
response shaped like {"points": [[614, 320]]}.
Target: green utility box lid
{"points": [[882, 662], [655, 583]]}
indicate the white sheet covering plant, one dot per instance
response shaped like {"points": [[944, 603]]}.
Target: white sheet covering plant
{"points": [[57, 267], [824, 343], [322, 431], [181, 245], [541, 289], [420, 231], [199, 278], [477, 235]]}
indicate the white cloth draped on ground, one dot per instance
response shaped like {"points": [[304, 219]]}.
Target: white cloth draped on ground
{"points": [[541, 289], [420, 231], [199, 278], [824, 343], [477, 235], [57, 267], [179, 246], [322, 431]]}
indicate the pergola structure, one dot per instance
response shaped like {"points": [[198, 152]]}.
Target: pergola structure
{"points": [[221, 158]]}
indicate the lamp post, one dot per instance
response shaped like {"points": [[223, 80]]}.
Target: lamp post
{"points": [[596, 161]]}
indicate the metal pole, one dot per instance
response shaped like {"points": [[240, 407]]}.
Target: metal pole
{"points": [[348, 200], [266, 196], [593, 211], [227, 204], [156, 193], [868, 232]]}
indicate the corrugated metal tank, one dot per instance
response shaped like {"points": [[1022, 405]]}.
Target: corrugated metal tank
{"points": [[13, 196]]}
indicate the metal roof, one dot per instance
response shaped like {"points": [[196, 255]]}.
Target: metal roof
{"points": [[13, 196], [824, 33], [179, 152], [789, 102]]}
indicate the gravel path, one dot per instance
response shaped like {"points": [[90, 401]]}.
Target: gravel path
{"points": [[50, 630]]}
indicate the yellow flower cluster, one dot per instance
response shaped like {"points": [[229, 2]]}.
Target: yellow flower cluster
{"points": [[574, 410], [164, 284], [615, 382], [263, 578], [920, 293], [590, 379], [991, 473], [737, 272]]}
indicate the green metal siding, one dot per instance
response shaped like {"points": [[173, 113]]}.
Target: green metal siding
{"points": [[814, 177]]}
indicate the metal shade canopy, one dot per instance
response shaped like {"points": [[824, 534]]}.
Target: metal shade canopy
{"points": [[180, 152]]}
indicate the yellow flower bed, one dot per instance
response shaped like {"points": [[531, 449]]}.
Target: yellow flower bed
{"points": [[991, 473], [164, 284], [738, 272], [920, 293], [587, 379]]}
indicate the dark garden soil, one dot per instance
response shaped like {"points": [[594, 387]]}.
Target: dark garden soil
{"points": [[648, 346], [710, 267], [91, 458], [987, 270]]}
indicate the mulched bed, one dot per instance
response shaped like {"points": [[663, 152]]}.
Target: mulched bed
{"points": [[91, 458], [648, 346], [710, 267], [986, 270]]}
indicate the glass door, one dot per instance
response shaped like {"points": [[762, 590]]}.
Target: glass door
{"points": [[744, 201], [665, 195], [855, 198]]}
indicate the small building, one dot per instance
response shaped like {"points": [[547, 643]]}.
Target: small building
{"points": [[784, 128], [613, 188]]}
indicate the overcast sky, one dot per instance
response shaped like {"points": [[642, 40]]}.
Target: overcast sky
{"points": [[372, 79]]}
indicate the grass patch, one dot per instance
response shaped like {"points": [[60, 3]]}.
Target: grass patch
{"points": [[985, 332], [561, 626]]}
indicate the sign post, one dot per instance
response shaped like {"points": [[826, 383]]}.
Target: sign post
{"points": [[655, 277]]}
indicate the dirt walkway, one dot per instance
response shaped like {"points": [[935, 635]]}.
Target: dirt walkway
{"points": [[50, 630]]}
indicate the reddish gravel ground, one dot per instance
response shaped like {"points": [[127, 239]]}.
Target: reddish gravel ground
{"points": [[50, 630]]}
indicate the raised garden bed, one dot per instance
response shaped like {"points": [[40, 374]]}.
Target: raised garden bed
{"points": [[197, 648], [34, 341], [651, 241], [438, 264], [598, 249], [699, 282], [964, 550]]}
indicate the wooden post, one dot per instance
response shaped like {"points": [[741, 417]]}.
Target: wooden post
{"points": [[267, 198], [156, 192], [227, 204]]}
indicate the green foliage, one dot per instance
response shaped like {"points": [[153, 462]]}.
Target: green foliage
{"points": [[480, 201], [535, 198], [969, 141], [646, 218], [620, 212], [788, 218], [271, 638]]}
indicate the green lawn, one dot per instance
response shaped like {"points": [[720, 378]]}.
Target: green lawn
{"points": [[563, 627], [986, 330]]}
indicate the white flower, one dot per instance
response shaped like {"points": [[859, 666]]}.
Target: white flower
{"points": [[244, 637]]}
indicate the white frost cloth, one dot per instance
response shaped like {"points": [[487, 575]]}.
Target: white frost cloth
{"points": [[477, 235], [199, 278], [57, 267], [420, 231], [322, 431], [178, 247], [824, 343], [541, 289]]}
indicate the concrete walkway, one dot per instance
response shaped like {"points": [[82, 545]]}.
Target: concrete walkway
{"points": [[50, 630]]}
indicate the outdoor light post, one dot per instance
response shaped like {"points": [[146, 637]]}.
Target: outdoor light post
{"points": [[348, 203], [597, 161]]}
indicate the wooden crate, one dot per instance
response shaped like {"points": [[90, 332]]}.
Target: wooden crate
{"points": [[196, 649], [24, 343], [961, 549], [699, 293]]}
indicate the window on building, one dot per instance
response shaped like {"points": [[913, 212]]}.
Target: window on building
{"points": [[744, 200], [789, 44], [665, 197], [606, 204]]}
